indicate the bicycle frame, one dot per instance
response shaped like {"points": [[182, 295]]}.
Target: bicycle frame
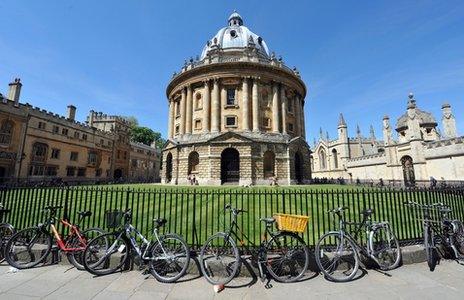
{"points": [[74, 231]]}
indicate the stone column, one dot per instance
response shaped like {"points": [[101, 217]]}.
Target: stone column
{"points": [[255, 105], [275, 107], [245, 105], [206, 107], [182, 112], [215, 111], [297, 124], [171, 119], [188, 113], [283, 101]]}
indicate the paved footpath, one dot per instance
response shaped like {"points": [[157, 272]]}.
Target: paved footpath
{"points": [[64, 282]]}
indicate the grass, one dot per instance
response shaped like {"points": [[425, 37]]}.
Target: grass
{"points": [[198, 212]]}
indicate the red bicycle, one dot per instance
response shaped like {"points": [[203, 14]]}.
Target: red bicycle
{"points": [[31, 246]]}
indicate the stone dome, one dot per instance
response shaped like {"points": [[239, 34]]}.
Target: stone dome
{"points": [[235, 37], [425, 118]]}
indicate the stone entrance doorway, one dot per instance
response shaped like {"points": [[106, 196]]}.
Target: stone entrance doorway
{"points": [[230, 166], [298, 168], [168, 167], [408, 171]]}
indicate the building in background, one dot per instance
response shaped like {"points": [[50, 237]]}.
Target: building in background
{"points": [[39, 145], [418, 153], [236, 115]]}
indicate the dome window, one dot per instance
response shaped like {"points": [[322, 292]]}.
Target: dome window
{"points": [[260, 40], [233, 33]]}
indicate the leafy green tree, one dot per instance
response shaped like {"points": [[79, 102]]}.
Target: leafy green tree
{"points": [[144, 135]]}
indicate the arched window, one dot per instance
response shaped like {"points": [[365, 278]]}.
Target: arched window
{"points": [[322, 160], [6, 131], [335, 158], [311, 160], [193, 161], [39, 152], [268, 164]]}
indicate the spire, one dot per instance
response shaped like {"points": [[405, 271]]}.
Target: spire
{"points": [[341, 121], [327, 136], [372, 132], [411, 101], [321, 136], [358, 130]]}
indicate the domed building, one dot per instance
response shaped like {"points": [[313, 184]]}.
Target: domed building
{"points": [[236, 115]]}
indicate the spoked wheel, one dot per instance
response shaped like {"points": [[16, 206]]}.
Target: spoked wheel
{"points": [[385, 247], [336, 257], [6, 232], [430, 250], [170, 258], [219, 259], [106, 254], [287, 257], [28, 248], [76, 257], [459, 236]]}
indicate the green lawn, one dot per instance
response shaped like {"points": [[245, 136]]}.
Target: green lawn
{"points": [[197, 212]]}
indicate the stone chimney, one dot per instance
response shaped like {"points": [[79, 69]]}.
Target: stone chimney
{"points": [[71, 112], [449, 122], [15, 91]]}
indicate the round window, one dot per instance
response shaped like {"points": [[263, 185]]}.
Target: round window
{"points": [[233, 33]]}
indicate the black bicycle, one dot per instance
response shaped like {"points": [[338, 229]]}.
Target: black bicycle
{"points": [[167, 256], [444, 231], [6, 232], [337, 252], [284, 255]]}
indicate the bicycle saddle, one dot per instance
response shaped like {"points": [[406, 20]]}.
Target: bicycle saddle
{"points": [[4, 210], [367, 212], [53, 207], [85, 213], [159, 222], [267, 220]]}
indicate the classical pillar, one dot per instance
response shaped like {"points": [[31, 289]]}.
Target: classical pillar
{"points": [[283, 101], [245, 105], [182, 111], [275, 107], [206, 107], [215, 111], [171, 118], [255, 104], [188, 113], [296, 125], [303, 129]]}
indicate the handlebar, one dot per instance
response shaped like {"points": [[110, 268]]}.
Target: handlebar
{"points": [[235, 211], [439, 205], [338, 210]]}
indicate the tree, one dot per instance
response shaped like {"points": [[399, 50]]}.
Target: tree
{"points": [[144, 135], [132, 120]]}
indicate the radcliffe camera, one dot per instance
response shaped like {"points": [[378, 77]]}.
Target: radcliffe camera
{"points": [[185, 150]]}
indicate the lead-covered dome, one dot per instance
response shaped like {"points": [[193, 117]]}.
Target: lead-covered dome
{"points": [[235, 37]]}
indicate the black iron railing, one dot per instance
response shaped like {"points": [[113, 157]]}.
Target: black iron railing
{"points": [[196, 213]]}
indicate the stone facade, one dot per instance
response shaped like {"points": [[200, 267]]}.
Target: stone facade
{"points": [[419, 152], [236, 115], [39, 145]]}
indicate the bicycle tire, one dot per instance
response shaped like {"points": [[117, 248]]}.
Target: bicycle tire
{"points": [[377, 237], [35, 234], [6, 232], [324, 247], [288, 254], [97, 255], [211, 249], [161, 269], [458, 236], [75, 257], [430, 251]]}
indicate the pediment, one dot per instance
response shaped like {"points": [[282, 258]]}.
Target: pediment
{"points": [[230, 137], [169, 144]]}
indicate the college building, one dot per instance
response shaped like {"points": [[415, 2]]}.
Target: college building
{"points": [[39, 145]]}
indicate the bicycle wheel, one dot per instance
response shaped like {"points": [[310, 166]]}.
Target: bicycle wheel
{"points": [[106, 254], [459, 236], [430, 250], [28, 248], [170, 258], [6, 232], [76, 257], [287, 257], [219, 259], [385, 247], [337, 257]]}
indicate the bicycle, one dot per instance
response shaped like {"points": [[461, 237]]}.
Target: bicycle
{"points": [[167, 255], [449, 233], [337, 252], [285, 256], [6, 232], [31, 246]]}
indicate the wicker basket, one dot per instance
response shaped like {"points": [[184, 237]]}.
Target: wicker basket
{"points": [[293, 223]]}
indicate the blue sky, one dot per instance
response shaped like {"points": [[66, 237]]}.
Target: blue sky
{"points": [[361, 58]]}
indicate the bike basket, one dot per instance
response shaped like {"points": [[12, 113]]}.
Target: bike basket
{"points": [[293, 223], [113, 218]]}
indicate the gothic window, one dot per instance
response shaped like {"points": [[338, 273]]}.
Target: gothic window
{"points": [[335, 158], [311, 160], [64, 131], [322, 160], [92, 158], [6, 131], [268, 164], [39, 152], [230, 96], [193, 162]]}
